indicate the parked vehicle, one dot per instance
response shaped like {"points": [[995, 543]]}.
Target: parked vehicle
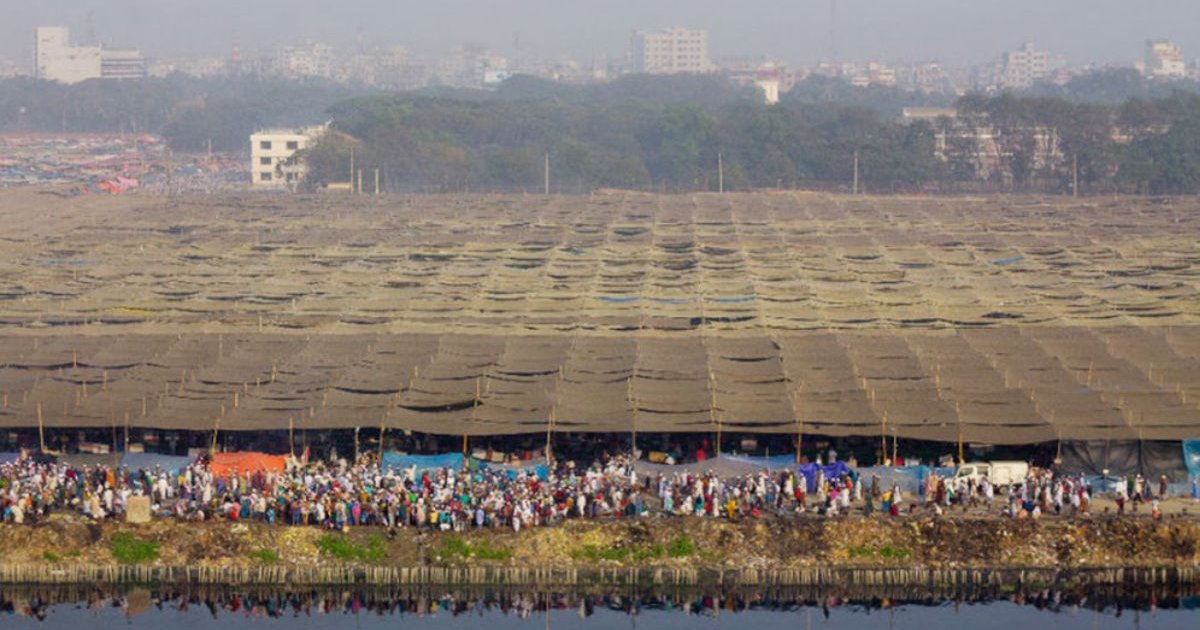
{"points": [[1000, 473]]}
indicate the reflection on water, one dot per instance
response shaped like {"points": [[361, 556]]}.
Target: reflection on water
{"points": [[206, 607]]}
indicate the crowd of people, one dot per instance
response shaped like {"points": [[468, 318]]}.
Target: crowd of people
{"points": [[343, 494]]}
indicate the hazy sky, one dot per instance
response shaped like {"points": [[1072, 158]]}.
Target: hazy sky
{"points": [[797, 31]]}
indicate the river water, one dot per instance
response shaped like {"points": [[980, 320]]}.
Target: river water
{"points": [[76, 608]]}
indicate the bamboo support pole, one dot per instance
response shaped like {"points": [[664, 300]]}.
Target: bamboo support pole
{"points": [[41, 429], [883, 449]]}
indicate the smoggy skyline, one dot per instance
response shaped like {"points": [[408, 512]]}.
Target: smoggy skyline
{"points": [[954, 32]]}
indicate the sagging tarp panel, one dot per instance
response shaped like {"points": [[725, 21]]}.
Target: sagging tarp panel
{"points": [[827, 397], [1124, 457], [1001, 385], [596, 391], [777, 261]]}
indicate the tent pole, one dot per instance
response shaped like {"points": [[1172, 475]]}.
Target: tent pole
{"points": [[883, 440], [549, 433], [382, 430], [800, 442], [216, 430], [292, 437], [126, 431], [356, 445], [41, 429]]}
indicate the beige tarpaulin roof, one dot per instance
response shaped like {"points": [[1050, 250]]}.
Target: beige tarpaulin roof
{"points": [[946, 318]]}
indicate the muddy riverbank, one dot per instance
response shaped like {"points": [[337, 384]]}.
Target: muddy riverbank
{"points": [[654, 551]]}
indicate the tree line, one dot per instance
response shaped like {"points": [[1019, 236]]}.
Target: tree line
{"points": [[597, 139], [1110, 131]]}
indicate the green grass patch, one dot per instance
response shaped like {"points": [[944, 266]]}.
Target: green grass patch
{"points": [[129, 550], [455, 547], [265, 556], [886, 552], [50, 556], [343, 548], [681, 547]]}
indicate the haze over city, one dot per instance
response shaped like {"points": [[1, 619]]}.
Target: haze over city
{"points": [[799, 32]]}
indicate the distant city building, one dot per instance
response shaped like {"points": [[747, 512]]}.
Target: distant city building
{"points": [[55, 59], [927, 77], [880, 74], [927, 114], [199, 67], [274, 163], [390, 68], [671, 51], [1022, 68], [313, 59], [771, 78], [1164, 60]]}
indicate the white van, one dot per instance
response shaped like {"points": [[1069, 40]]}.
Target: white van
{"points": [[1000, 473]]}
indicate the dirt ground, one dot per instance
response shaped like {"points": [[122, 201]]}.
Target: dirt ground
{"points": [[692, 542]]}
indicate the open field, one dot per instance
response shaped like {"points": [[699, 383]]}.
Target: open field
{"points": [[994, 320]]}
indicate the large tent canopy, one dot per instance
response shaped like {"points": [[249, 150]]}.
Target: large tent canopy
{"points": [[1000, 321]]}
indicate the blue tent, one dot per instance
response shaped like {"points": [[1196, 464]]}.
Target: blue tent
{"points": [[9, 458], [831, 471]]}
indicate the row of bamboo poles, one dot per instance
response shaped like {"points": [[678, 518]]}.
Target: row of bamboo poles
{"points": [[576, 576]]}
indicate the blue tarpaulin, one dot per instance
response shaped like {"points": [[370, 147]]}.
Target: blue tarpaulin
{"points": [[399, 461], [832, 471], [1191, 457], [910, 479], [774, 462], [9, 458], [541, 471], [148, 461]]}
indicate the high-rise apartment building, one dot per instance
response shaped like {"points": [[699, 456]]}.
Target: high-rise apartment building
{"points": [[1024, 67], [1164, 60], [671, 51], [55, 59]]}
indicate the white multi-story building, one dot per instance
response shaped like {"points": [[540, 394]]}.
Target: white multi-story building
{"points": [[671, 51], [55, 59], [274, 163], [1022, 68], [310, 60], [1164, 60]]}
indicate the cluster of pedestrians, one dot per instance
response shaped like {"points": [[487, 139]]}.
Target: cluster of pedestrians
{"points": [[340, 495]]}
